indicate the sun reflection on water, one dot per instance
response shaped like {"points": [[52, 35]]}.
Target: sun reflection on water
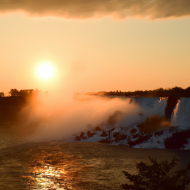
{"points": [[50, 177], [48, 174]]}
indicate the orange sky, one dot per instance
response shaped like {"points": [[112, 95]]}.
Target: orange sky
{"points": [[95, 54]]}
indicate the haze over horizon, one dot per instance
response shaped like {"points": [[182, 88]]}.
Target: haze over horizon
{"points": [[97, 46]]}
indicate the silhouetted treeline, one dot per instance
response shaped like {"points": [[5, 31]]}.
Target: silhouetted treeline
{"points": [[23, 93], [10, 108], [160, 92]]}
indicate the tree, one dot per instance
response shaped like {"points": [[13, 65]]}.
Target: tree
{"points": [[14, 92], [154, 176]]}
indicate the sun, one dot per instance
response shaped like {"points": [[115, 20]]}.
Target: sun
{"points": [[45, 70]]}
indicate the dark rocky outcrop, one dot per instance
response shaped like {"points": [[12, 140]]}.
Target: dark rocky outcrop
{"points": [[97, 129], [120, 137], [178, 140], [140, 140], [77, 138], [82, 135], [116, 134], [135, 136], [10, 108], [107, 140], [170, 130], [134, 130], [89, 134], [104, 134], [171, 103], [158, 133]]}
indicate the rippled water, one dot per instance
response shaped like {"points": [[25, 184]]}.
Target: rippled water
{"points": [[48, 176], [75, 166]]}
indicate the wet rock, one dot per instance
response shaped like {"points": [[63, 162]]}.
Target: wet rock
{"points": [[89, 134], [112, 129], [116, 134], [158, 133], [82, 135], [97, 129], [178, 140], [134, 130], [171, 103], [77, 138], [107, 140], [104, 134], [140, 140], [120, 137], [136, 136]]}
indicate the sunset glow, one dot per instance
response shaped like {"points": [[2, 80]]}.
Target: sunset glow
{"points": [[79, 78], [103, 46], [46, 70]]}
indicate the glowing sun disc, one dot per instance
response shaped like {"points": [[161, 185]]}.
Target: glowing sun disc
{"points": [[45, 70]]}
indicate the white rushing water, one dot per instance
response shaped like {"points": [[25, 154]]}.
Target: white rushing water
{"points": [[180, 121], [181, 116]]}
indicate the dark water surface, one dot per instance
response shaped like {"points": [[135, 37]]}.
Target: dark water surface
{"points": [[74, 166]]}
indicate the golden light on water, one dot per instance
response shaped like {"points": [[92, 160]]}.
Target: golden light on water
{"points": [[50, 173], [48, 177]]}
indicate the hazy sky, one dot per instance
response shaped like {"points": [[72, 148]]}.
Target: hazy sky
{"points": [[95, 45]]}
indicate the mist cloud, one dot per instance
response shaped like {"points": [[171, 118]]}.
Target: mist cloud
{"points": [[81, 9]]}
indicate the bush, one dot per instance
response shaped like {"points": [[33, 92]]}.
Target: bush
{"points": [[82, 135], [155, 176], [77, 138], [97, 129], [104, 134], [89, 134], [120, 137], [116, 134], [152, 124], [134, 130]]}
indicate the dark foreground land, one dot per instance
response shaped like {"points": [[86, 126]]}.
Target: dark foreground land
{"points": [[80, 166]]}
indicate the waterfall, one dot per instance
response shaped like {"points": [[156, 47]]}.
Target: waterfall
{"points": [[149, 106], [181, 115], [174, 114]]}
